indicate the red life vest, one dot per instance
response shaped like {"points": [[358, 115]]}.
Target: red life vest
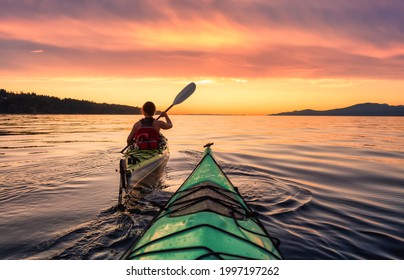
{"points": [[147, 137]]}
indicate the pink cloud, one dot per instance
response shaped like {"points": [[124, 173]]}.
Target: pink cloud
{"points": [[248, 38]]}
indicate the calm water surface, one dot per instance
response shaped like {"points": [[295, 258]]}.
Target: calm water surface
{"points": [[327, 187]]}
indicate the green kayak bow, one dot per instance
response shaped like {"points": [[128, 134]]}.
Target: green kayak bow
{"points": [[206, 218]]}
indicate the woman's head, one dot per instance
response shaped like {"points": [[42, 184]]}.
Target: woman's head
{"points": [[149, 108]]}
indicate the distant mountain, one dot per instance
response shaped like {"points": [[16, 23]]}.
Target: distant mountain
{"points": [[31, 103], [365, 109]]}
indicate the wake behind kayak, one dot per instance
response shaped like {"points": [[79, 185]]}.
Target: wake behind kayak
{"points": [[206, 218]]}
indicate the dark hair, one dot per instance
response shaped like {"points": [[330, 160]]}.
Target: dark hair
{"points": [[149, 108]]}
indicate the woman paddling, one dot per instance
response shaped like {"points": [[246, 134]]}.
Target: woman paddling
{"points": [[145, 133]]}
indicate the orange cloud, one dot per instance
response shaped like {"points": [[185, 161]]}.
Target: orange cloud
{"points": [[204, 38]]}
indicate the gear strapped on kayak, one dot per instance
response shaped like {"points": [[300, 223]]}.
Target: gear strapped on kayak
{"points": [[138, 156], [206, 218]]}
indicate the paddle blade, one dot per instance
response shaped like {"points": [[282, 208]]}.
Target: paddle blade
{"points": [[185, 93]]}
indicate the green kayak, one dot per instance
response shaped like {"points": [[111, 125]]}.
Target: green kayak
{"points": [[206, 218], [142, 166]]}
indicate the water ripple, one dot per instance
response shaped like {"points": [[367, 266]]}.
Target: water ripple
{"points": [[328, 188], [96, 239]]}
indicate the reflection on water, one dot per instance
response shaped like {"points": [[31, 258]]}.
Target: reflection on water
{"points": [[327, 187]]}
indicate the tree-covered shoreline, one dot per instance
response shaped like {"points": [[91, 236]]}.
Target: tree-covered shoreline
{"points": [[32, 103]]}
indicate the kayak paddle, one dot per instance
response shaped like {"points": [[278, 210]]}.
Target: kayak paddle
{"points": [[122, 183], [181, 97]]}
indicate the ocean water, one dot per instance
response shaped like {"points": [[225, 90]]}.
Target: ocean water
{"points": [[327, 187]]}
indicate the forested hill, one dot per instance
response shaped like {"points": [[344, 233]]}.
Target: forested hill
{"points": [[365, 109], [32, 103]]}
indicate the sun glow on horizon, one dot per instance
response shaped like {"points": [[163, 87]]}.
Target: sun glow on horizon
{"points": [[217, 95]]}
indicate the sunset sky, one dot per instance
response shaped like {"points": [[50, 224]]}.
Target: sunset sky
{"points": [[246, 56]]}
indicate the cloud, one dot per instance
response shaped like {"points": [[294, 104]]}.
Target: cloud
{"points": [[379, 23], [246, 38], [278, 61]]}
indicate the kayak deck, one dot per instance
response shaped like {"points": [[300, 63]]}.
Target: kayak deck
{"points": [[206, 218], [140, 168], [138, 164]]}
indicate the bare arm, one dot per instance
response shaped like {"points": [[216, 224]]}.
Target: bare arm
{"points": [[167, 124], [131, 135]]}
